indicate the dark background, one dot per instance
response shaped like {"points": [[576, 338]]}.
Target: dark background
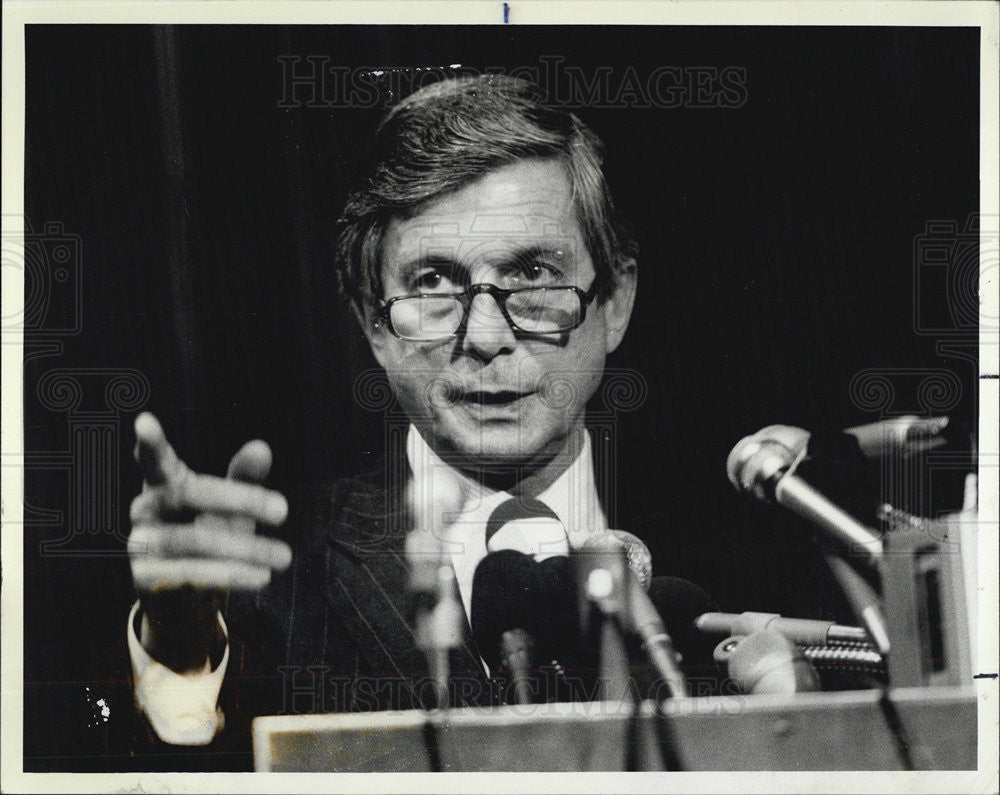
{"points": [[777, 262]]}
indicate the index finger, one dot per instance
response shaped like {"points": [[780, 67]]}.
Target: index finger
{"points": [[156, 458]]}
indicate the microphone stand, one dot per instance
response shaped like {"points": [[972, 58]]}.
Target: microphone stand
{"points": [[662, 655], [445, 632], [601, 579], [865, 603], [637, 612], [440, 615], [518, 652]]}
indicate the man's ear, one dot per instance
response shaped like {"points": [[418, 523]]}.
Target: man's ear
{"points": [[617, 307], [375, 334]]}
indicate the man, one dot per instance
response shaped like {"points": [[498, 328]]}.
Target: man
{"points": [[485, 266]]}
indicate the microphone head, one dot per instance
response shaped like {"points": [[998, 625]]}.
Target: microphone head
{"points": [[758, 460], [639, 558], [679, 603], [900, 436], [526, 525], [433, 501]]}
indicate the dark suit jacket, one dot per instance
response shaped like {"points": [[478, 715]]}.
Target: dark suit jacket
{"points": [[334, 633]]}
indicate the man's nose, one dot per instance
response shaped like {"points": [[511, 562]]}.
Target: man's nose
{"points": [[487, 332]]}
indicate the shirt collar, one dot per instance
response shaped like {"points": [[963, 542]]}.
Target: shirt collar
{"points": [[572, 496]]}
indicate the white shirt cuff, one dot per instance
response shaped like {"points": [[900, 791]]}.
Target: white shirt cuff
{"points": [[182, 708]]}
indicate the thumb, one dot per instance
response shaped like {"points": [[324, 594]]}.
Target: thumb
{"points": [[252, 462]]}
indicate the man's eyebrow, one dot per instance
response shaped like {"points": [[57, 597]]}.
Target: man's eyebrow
{"points": [[442, 261], [446, 261], [536, 251]]}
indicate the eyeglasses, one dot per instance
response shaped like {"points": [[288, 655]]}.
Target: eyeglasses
{"points": [[532, 310]]}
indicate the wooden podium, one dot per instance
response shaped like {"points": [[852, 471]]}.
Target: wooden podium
{"points": [[924, 729]]}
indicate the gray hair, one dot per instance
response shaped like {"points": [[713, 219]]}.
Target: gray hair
{"points": [[452, 133]]}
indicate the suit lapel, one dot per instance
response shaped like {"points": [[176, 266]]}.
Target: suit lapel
{"points": [[367, 585]]}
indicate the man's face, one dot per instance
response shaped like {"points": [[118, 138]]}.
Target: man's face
{"points": [[489, 395]]}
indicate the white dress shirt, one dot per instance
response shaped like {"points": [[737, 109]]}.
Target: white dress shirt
{"points": [[572, 497], [183, 708]]}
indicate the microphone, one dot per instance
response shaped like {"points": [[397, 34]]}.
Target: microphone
{"points": [[803, 631], [637, 554], [903, 435], [763, 465], [641, 615], [841, 656], [679, 602], [527, 525], [434, 500], [900, 435]]}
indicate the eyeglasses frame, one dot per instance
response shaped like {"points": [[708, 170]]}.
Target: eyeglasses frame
{"points": [[500, 295]]}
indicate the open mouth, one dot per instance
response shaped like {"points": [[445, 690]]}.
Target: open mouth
{"points": [[498, 398]]}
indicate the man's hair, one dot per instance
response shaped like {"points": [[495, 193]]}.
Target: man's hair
{"points": [[451, 133]]}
